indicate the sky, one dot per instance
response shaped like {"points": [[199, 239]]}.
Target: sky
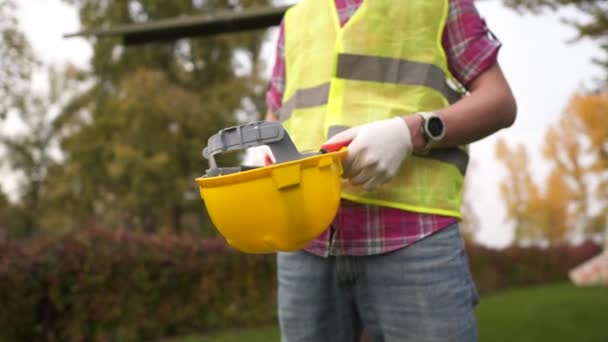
{"points": [[541, 67]]}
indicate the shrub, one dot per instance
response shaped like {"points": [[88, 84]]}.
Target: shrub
{"points": [[524, 266], [120, 286]]}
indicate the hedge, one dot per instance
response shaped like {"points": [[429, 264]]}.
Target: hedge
{"points": [[120, 286], [495, 270], [99, 285]]}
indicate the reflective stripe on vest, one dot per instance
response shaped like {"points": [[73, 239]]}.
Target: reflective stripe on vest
{"points": [[396, 71], [374, 69], [304, 98]]}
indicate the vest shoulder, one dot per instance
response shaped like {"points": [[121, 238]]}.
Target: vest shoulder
{"points": [[301, 7]]}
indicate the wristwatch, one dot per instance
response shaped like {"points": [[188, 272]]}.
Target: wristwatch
{"points": [[432, 128]]}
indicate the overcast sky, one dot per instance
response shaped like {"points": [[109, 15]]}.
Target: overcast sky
{"points": [[542, 69]]}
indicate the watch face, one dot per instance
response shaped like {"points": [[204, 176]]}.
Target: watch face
{"points": [[435, 127]]}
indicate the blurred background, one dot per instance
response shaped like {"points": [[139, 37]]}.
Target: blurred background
{"points": [[103, 236]]}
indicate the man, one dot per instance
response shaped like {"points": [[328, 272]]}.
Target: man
{"points": [[409, 84]]}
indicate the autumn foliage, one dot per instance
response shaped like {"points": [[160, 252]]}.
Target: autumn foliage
{"points": [[572, 199]]}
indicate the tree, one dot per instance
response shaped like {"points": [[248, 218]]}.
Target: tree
{"points": [[551, 212], [573, 201], [596, 12], [133, 140], [29, 152], [580, 136], [587, 112], [5, 207], [519, 191], [23, 152], [537, 213], [16, 59], [567, 184]]}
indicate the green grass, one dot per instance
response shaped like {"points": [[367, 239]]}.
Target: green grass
{"points": [[554, 313], [560, 312]]}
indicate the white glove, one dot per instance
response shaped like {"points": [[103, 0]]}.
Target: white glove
{"points": [[376, 151]]}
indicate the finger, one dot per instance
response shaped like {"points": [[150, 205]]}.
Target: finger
{"points": [[355, 164], [353, 174], [347, 167], [363, 177], [374, 182], [352, 163]]}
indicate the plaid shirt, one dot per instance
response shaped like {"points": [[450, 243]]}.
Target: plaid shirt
{"points": [[361, 229]]}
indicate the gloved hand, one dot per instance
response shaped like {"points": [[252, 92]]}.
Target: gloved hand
{"points": [[376, 151]]}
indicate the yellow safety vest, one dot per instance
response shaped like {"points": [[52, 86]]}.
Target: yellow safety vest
{"points": [[386, 61]]}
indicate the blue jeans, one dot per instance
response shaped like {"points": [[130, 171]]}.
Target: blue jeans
{"points": [[421, 293]]}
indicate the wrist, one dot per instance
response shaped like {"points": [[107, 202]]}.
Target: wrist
{"points": [[414, 124]]}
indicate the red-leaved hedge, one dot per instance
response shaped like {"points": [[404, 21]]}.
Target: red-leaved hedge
{"points": [[97, 285], [525, 266], [120, 286]]}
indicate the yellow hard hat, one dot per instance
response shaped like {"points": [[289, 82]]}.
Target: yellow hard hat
{"points": [[278, 207]]}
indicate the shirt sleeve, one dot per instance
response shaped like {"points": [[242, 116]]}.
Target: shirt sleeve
{"points": [[470, 46], [276, 87]]}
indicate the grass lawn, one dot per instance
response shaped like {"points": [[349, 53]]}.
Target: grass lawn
{"points": [[560, 312], [553, 313]]}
